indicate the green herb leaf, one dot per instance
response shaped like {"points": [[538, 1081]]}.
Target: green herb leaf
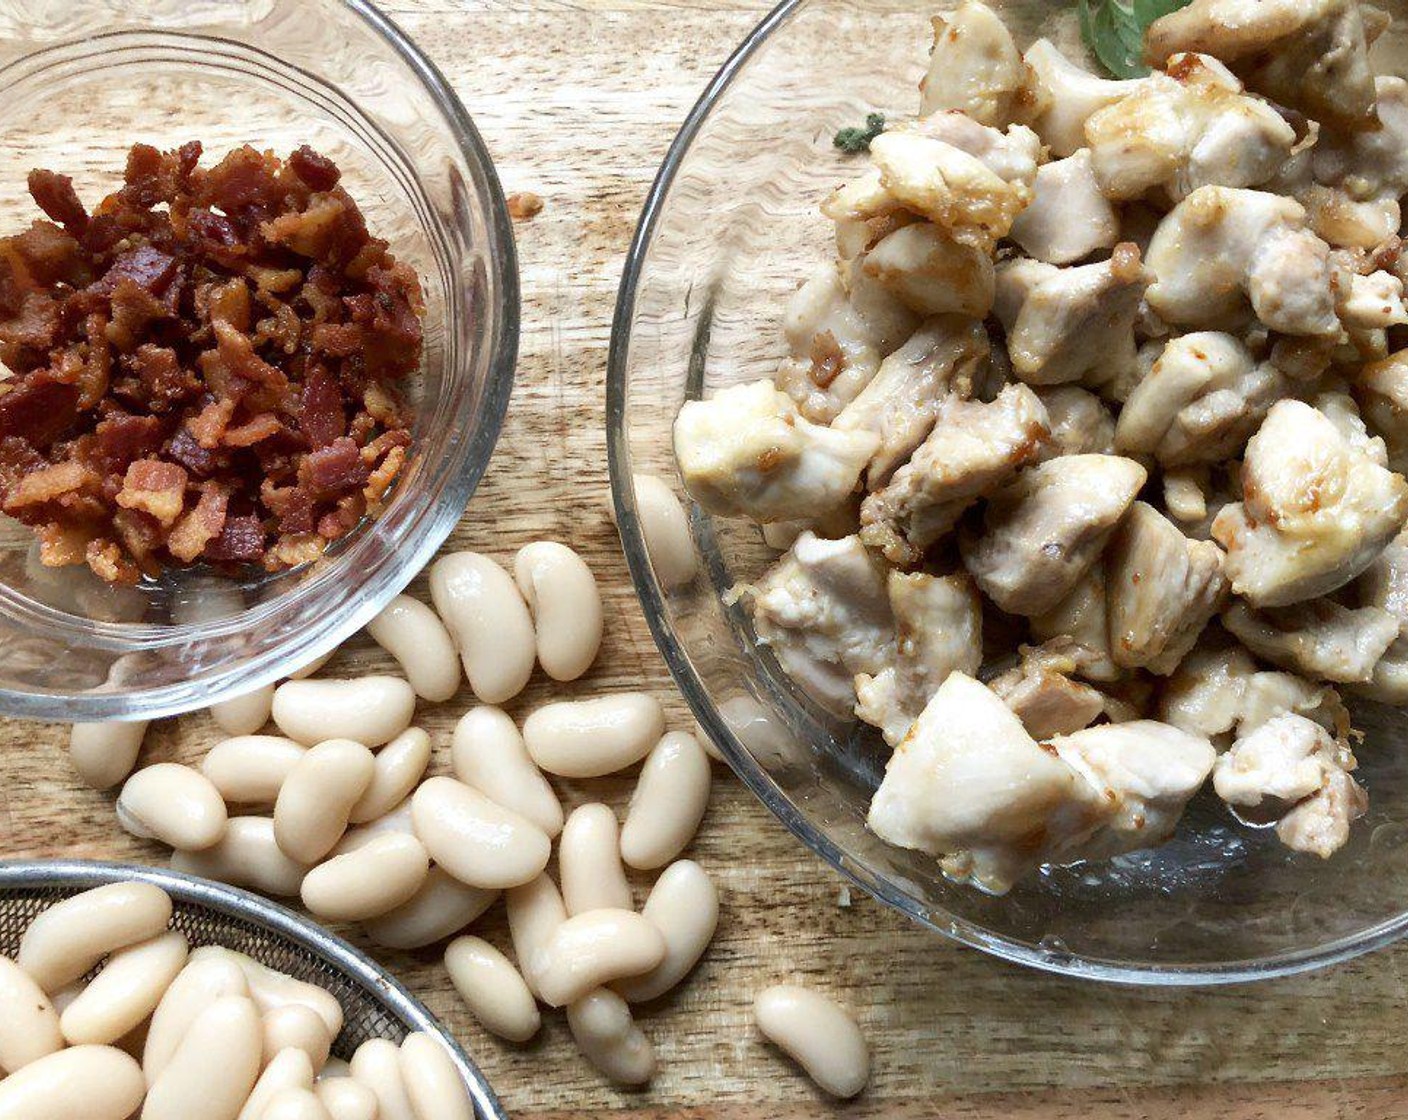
{"points": [[857, 140], [1114, 31]]}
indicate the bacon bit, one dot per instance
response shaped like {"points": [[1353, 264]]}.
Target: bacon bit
{"points": [[200, 526], [241, 539], [208, 426], [334, 469], [155, 487], [107, 562], [524, 206], [49, 484], [61, 545], [320, 415], [330, 230], [294, 550], [38, 410], [262, 427], [319, 172], [55, 195], [382, 478]]}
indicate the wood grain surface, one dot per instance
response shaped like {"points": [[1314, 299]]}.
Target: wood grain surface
{"points": [[578, 99]]}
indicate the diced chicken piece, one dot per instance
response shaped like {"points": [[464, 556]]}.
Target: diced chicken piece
{"points": [[1321, 639], [748, 452], [903, 401], [1072, 324], [1385, 585], [1162, 589], [971, 787], [1044, 532], [1014, 154], [864, 200], [1381, 389], [1188, 128], [1315, 511], [1067, 96], [1270, 694], [1040, 690], [931, 273], [1203, 399], [1320, 824], [1082, 617], [1338, 407], [1372, 302], [1068, 219], [1310, 55], [1144, 772], [974, 67], [1080, 422], [1288, 277], [938, 631], [975, 448], [824, 610], [1286, 759]]}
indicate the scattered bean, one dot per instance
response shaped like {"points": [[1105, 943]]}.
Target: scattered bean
{"points": [[400, 765], [535, 910], [589, 862], [377, 1065], [29, 1025], [684, 906], [475, 840], [561, 592], [668, 804], [397, 821], [346, 1099], [213, 1069], [288, 1069], [369, 882], [105, 753], [174, 804], [70, 937], [295, 1104], [247, 856], [295, 1026], [665, 527], [432, 1080], [488, 753], [592, 949], [592, 738], [91, 1082], [492, 989], [818, 1034], [371, 710], [443, 906], [206, 979], [489, 622], [244, 715], [413, 634], [609, 1039], [250, 769], [270, 989], [126, 991], [312, 809]]}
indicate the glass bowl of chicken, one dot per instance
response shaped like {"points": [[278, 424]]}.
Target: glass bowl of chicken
{"points": [[1007, 442]]}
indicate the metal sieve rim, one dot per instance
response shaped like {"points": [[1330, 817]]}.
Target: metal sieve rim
{"points": [[17, 876]]}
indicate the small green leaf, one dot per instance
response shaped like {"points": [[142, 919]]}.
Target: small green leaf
{"points": [[1114, 31], [857, 140]]}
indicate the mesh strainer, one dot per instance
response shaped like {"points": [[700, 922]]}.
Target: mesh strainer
{"points": [[375, 1005]]}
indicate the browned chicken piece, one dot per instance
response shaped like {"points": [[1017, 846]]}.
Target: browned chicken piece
{"points": [[1381, 390], [1064, 96], [1080, 422], [1040, 689], [1385, 585], [1319, 825], [1042, 533], [1338, 407], [974, 67], [1322, 639], [1068, 218], [1082, 617], [930, 273]]}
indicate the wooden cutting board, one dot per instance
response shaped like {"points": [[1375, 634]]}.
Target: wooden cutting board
{"points": [[578, 100]]}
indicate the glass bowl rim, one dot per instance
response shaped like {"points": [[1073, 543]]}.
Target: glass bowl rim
{"points": [[754, 776]]}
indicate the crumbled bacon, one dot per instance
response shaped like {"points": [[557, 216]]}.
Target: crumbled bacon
{"points": [[155, 487]]}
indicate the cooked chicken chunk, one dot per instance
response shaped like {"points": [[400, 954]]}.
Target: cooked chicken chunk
{"points": [[1201, 402], [974, 67], [1072, 324], [1315, 511], [1040, 690], [1082, 618], [970, 786], [1320, 824], [1044, 531], [1381, 389], [1080, 422], [824, 610], [1014, 155], [932, 274], [748, 452], [1338, 407], [1068, 219], [974, 449], [938, 631], [1372, 302], [1162, 590], [903, 401], [1385, 585], [1066, 96], [1286, 759], [1321, 639]]}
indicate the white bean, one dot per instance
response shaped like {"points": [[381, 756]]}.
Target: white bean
{"points": [[487, 752], [311, 812], [592, 738], [204, 980], [369, 882], [492, 989], [270, 989], [174, 804], [313, 666], [250, 769], [443, 906], [684, 906], [346, 1099], [289, 1069], [589, 862], [413, 634], [213, 1069], [70, 937], [475, 840], [244, 715], [818, 1034], [665, 527], [29, 1025], [397, 821], [126, 991], [561, 592], [371, 710], [711, 748], [433, 1081], [592, 949], [295, 1026], [609, 1039], [489, 622], [535, 910], [670, 797], [294, 1104], [377, 1065], [246, 856], [400, 765], [105, 753], [87, 1082]]}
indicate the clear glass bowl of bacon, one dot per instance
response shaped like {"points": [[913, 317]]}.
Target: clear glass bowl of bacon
{"points": [[252, 385]]}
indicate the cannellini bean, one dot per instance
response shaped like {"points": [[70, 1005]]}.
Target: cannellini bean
{"points": [[433, 1080], [400, 765], [668, 804], [413, 634], [244, 715], [270, 989], [589, 861], [684, 906], [488, 753], [346, 1099], [213, 1069], [369, 882], [492, 989], [204, 980], [665, 527], [592, 949], [818, 1034], [561, 592], [377, 1065], [126, 991], [87, 1082], [246, 856], [591, 738], [535, 910], [313, 666], [397, 821], [70, 937], [295, 1104], [311, 812], [175, 804], [475, 840], [296, 1026], [609, 1039], [443, 906], [29, 1025], [489, 622], [288, 1069], [105, 753], [371, 710], [250, 769]]}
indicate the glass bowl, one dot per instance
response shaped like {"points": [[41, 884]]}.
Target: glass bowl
{"points": [[79, 84], [729, 231]]}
